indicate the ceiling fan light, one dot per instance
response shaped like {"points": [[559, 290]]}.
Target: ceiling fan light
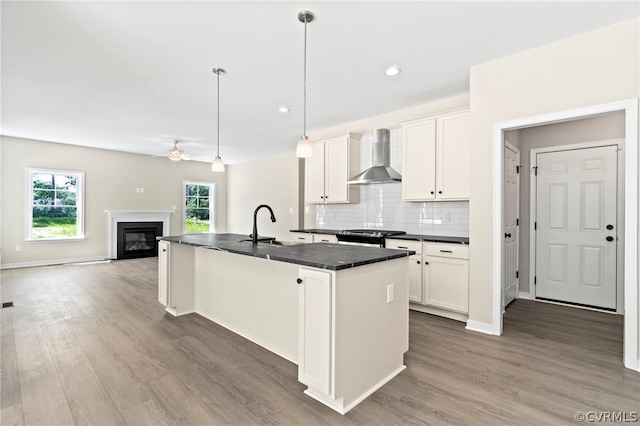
{"points": [[217, 165], [304, 148], [175, 154]]}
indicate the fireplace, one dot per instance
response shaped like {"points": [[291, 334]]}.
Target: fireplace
{"points": [[138, 239], [132, 233]]}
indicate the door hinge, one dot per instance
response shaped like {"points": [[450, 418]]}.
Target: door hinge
{"points": [[535, 280], [517, 222], [517, 169], [517, 274], [535, 225], [535, 170]]}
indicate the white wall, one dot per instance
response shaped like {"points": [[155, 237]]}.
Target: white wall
{"points": [[272, 181], [589, 69], [592, 129], [111, 179]]}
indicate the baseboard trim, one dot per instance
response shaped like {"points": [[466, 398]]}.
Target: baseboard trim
{"points": [[524, 295], [481, 327], [52, 262]]}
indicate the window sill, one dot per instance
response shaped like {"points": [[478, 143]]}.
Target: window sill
{"points": [[53, 240]]}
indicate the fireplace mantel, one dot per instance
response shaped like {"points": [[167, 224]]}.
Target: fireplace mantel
{"points": [[116, 216]]}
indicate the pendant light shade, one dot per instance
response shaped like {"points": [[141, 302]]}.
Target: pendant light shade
{"points": [[303, 149], [218, 165]]}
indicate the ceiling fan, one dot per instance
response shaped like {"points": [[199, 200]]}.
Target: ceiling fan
{"points": [[177, 154]]}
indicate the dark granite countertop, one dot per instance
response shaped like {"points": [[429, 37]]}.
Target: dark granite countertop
{"points": [[333, 257], [413, 237], [432, 238]]}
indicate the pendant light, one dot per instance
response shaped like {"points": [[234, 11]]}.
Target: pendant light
{"points": [[218, 164], [304, 148]]}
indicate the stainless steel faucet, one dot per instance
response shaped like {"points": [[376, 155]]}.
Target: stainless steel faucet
{"points": [[254, 236]]}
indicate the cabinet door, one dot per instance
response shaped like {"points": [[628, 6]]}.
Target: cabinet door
{"points": [[336, 169], [415, 278], [447, 283], [453, 158], [314, 330], [314, 175], [418, 160], [163, 272]]}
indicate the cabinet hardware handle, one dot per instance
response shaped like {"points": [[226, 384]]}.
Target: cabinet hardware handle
{"points": [[439, 192], [426, 263], [404, 247], [446, 251], [432, 192], [507, 235], [609, 227], [299, 280], [301, 238], [418, 262], [609, 238], [164, 249]]}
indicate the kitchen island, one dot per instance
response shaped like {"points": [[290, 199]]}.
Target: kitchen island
{"points": [[339, 312]]}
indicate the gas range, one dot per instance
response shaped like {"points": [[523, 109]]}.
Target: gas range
{"points": [[366, 237]]}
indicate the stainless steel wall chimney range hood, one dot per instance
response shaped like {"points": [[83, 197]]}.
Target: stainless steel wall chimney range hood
{"points": [[380, 171]]}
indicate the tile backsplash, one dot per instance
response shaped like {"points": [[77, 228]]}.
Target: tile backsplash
{"points": [[381, 205]]}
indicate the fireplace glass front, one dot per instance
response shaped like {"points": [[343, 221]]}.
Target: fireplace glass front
{"points": [[138, 239]]}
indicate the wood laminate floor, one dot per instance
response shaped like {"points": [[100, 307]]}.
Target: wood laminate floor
{"points": [[89, 344]]}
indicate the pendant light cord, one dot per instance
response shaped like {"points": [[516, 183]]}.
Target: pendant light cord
{"points": [[218, 127], [304, 114]]}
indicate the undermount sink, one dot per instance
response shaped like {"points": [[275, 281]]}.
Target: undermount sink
{"points": [[272, 241]]}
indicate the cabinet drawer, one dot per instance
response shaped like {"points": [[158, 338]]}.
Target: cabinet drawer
{"points": [[301, 237], [404, 245], [458, 251], [325, 238]]}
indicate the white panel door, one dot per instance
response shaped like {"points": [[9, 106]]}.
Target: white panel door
{"points": [[511, 213], [576, 226]]}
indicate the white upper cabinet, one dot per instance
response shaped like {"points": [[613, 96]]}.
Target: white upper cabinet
{"points": [[333, 163], [435, 158]]}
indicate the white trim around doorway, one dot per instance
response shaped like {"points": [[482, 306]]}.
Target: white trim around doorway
{"points": [[630, 107]]}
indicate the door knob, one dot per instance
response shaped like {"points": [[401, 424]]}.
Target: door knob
{"points": [[299, 280], [609, 238], [609, 227], [507, 235]]}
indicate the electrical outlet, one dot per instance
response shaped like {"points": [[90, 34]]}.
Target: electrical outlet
{"points": [[390, 293], [173, 208], [18, 248], [138, 190], [290, 209], [142, 190]]}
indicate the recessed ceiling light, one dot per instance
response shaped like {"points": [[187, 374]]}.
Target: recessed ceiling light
{"points": [[283, 109], [393, 70]]}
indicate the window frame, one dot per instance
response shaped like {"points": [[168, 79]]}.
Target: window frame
{"points": [[212, 204], [80, 207]]}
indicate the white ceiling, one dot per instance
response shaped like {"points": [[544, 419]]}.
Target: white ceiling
{"points": [[133, 76]]}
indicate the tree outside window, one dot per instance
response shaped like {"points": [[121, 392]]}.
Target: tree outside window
{"points": [[55, 205], [198, 207]]}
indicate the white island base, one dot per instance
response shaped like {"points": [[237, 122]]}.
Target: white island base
{"points": [[347, 330]]}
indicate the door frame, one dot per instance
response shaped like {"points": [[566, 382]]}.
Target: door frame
{"points": [[516, 150], [630, 279], [619, 144]]}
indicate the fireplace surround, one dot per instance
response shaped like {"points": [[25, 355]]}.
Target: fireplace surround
{"points": [[136, 223]]}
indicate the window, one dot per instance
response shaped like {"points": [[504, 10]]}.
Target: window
{"points": [[56, 206], [199, 200]]}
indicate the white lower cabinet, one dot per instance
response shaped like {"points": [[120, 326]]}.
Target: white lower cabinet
{"points": [[304, 237], [314, 332], [438, 277]]}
